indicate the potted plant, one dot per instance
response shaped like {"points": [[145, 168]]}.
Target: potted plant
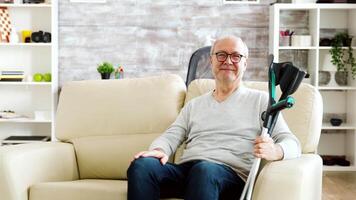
{"points": [[105, 69], [341, 57]]}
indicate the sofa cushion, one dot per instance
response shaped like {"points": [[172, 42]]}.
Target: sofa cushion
{"points": [[80, 189], [304, 119], [89, 189], [114, 107], [108, 157]]}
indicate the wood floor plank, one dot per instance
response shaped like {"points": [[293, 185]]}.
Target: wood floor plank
{"points": [[339, 186]]}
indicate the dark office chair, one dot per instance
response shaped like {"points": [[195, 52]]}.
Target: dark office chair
{"points": [[199, 65]]}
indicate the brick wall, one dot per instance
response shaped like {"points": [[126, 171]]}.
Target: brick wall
{"points": [[151, 37]]}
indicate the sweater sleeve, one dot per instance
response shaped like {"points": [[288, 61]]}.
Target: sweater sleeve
{"points": [[284, 137], [174, 136]]}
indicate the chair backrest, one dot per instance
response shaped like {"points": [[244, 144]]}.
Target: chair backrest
{"points": [[199, 65], [110, 121], [304, 119]]}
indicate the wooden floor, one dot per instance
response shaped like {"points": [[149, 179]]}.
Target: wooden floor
{"points": [[339, 186]]}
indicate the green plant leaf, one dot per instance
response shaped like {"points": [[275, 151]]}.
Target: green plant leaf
{"points": [[105, 67], [342, 58]]}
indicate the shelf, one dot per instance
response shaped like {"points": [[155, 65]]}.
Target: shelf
{"points": [[301, 48], [25, 83], [312, 19], [339, 168], [295, 48], [40, 5], [27, 44], [328, 126], [308, 6], [24, 120], [337, 88], [28, 96], [327, 48]]}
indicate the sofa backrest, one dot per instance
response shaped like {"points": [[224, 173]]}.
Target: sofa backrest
{"points": [[304, 119], [108, 121]]}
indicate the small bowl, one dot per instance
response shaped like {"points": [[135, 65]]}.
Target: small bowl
{"points": [[335, 121]]}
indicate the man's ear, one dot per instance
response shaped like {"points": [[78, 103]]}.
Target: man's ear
{"points": [[245, 65], [211, 59]]}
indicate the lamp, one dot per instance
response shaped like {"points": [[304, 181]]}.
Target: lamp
{"points": [[329, 67]]}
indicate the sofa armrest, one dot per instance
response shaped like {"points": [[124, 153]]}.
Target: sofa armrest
{"points": [[295, 179], [24, 165]]}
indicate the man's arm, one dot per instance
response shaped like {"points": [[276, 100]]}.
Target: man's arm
{"points": [[281, 145], [286, 139]]}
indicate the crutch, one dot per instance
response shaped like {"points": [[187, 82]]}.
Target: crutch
{"points": [[288, 77]]}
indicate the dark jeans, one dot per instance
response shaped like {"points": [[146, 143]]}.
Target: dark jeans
{"points": [[196, 180]]}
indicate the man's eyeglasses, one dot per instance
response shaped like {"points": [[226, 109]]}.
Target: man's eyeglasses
{"points": [[234, 57]]}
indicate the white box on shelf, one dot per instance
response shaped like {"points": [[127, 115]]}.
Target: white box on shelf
{"points": [[42, 115], [301, 40]]}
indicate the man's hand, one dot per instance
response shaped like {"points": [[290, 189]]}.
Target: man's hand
{"points": [[154, 153], [265, 148]]}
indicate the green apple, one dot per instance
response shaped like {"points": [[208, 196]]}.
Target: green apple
{"points": [[37, 77], [47, 77]]}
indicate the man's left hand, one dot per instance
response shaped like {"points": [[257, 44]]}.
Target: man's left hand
{"points": [[266, 148]]}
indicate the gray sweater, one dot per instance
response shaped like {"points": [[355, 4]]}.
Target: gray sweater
{"points": [[224, 132]]}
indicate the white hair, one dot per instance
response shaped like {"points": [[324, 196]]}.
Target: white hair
{"points": [[238, 39]]}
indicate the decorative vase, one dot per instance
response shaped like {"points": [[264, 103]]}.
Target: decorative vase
{"points": [[105, 75], [324, 78], [341, 78], [347, 42]]}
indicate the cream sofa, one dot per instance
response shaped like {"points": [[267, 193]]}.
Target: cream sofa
{"points": [[100, 125]]}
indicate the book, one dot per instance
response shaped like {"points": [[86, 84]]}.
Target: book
{"points": [[11, 77], [12, 72], [25, 139]]}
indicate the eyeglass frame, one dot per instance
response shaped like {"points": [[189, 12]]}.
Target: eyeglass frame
{"points": [[229, 55]]}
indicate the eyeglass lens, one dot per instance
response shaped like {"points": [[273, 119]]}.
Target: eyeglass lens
{"points": [[222, 56]]}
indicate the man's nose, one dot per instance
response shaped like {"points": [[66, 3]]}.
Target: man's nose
{"points": [[228, 60]]}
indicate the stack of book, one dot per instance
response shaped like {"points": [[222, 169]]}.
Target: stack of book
{"points": [[25, 139], [12, 75]]}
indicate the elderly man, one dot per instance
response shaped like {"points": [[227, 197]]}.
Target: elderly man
{"points": [[221, 130]]}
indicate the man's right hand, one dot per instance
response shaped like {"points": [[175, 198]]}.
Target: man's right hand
{"points": [[154, 153]]}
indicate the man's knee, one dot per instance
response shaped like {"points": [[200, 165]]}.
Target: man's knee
{"points": [[206, 169], [143, 164]]}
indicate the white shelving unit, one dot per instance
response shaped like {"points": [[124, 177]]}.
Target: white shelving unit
{"points": [[315, 20], [27, 96], [26, 44]]}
